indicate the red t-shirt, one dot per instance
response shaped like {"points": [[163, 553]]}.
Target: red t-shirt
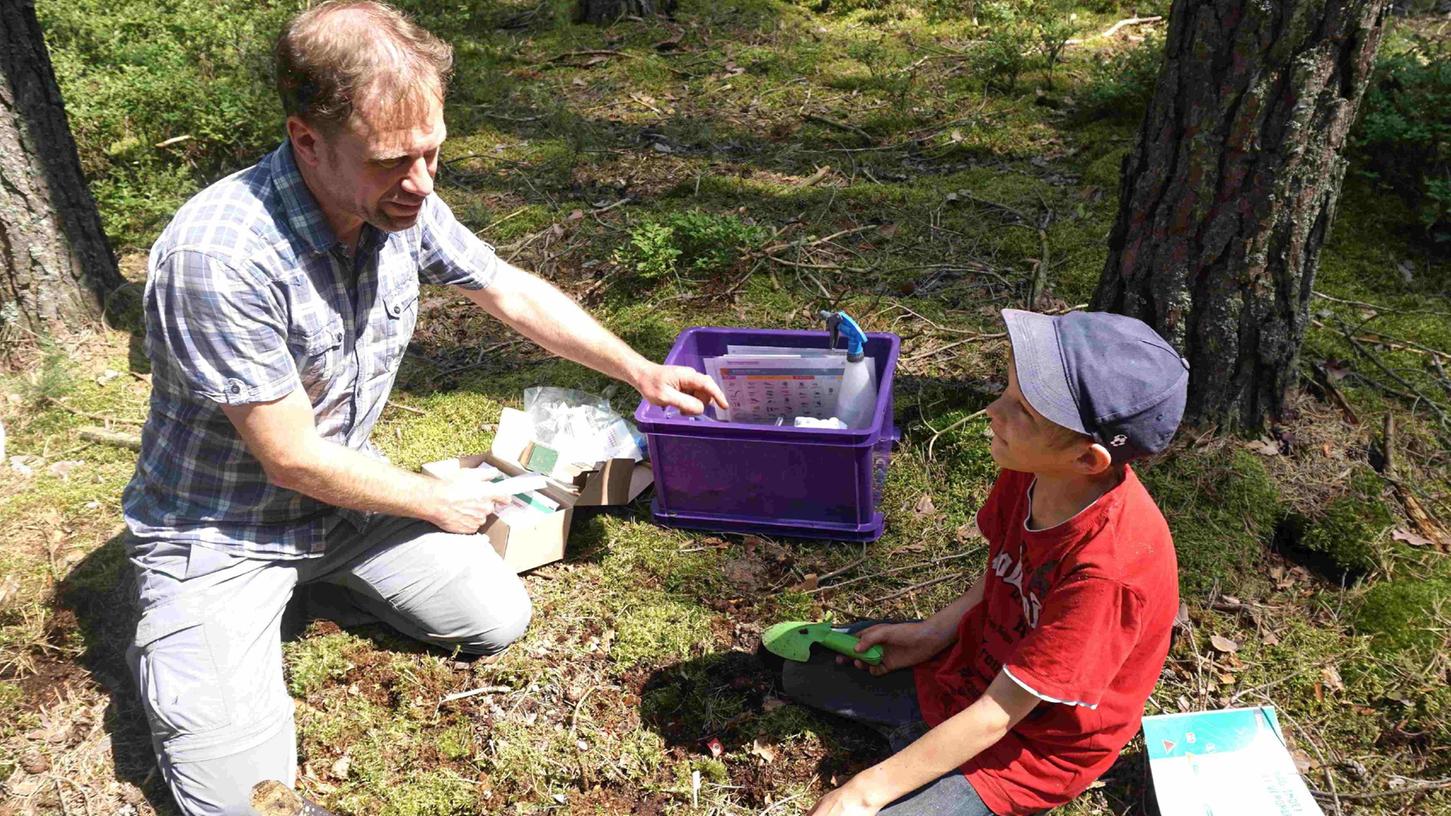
{"points": [[1078, 614]]}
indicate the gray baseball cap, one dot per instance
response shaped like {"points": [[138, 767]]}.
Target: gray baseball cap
{"points": [[1103, 374]]}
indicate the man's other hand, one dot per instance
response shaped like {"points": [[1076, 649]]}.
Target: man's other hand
{"points": [[681, 387], [462, 504]]}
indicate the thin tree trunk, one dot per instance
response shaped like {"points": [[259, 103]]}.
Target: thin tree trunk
{"points": [[55, 265], [604, 12], [1228, 196]]}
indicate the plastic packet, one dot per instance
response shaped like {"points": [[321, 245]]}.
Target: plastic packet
{"points": [[582, 427]]}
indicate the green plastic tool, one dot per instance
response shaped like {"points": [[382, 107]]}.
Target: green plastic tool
{"points": [[792, 640]]}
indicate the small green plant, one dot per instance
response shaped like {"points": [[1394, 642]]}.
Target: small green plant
{"points": [[1004, 52], [691, 242], [1054, 23], [1403, 137], [1120, 84], [650, 252]]}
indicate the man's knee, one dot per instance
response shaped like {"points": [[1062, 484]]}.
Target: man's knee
{"points": [[500, 622]]}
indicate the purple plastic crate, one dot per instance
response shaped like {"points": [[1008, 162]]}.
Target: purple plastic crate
{"points": [[773, 480]]}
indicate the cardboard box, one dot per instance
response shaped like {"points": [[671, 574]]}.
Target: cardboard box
{"points": [[616, 482], [522, 548]]}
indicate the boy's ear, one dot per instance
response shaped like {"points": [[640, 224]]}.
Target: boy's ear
{"points": [[1094, 460]]}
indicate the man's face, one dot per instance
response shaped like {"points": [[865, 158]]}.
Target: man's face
{"points": [[1023, 439], [379, 174]]}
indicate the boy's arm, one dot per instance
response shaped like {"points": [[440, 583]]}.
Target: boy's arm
{"points": [[939, 751], [907, 644]]}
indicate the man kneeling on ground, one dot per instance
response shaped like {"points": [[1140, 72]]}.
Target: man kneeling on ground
{"points": [[279, 303]]}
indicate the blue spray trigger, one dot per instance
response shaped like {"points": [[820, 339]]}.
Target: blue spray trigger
{"points": [[840, 324]]}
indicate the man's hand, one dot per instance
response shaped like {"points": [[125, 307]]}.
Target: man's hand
{"points": [[903, 645], [847, 800], [462, 504], [679, 386]]}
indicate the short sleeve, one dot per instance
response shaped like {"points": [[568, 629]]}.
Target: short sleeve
{"points": [[449, 253], [222, 331], [1087, 626]]}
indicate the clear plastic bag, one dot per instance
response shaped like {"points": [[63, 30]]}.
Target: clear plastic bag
{"points": [[581, 426]]}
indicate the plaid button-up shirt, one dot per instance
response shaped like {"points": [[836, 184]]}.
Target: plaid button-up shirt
{"points": [[248, 298]]}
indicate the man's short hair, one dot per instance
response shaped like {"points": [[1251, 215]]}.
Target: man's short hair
{"points": [[359, 57]]}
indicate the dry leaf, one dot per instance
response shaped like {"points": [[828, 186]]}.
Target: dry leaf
{"points": [[1411, 538], [1264, 447], [1303, 763], [342, 766], [62, 470], [1331, 676], [9, 587], [809, 583], [925, 507], [887, 230], [1270, 639], [772, 703], [1223, 644], [764, 750], [967, 532]]}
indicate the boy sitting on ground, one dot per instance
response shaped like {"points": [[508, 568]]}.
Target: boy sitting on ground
{"points": [[1024, 690]]}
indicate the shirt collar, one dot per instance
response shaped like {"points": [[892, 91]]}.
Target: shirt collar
{"points": [[303, 214]]}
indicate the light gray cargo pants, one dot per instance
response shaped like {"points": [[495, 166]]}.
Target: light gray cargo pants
{"points": [[208, 650]]}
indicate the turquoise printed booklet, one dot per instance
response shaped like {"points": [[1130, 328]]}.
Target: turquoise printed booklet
{"points": [[1224, 763]]}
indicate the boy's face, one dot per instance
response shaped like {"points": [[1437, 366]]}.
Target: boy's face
{"points": [[1026, 441]]}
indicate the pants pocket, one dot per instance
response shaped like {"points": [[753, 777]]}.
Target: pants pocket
{"points": [[177, 673]]}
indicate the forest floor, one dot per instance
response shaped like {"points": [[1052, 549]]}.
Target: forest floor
{"points": [[746, 164]]}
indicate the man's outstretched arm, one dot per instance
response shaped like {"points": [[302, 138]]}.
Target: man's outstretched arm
{"points": [[536, 309], [282, 436]]}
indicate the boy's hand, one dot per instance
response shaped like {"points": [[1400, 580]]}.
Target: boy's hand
{"points": [[844, 801], [903, 645]]}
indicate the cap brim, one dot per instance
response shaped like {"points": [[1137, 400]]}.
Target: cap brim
{"points": [[1038, 361]]}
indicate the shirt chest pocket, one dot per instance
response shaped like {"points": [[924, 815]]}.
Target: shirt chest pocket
{"points": [[319, 358], [400, 315]]}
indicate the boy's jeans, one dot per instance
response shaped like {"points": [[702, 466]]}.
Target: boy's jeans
{"points": [[888, 704], [208, 650]]}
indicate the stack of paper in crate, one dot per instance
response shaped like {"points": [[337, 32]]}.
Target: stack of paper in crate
{"points": [[776, 384]]}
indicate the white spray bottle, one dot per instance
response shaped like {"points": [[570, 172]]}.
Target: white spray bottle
{"points": [[856, 404]]}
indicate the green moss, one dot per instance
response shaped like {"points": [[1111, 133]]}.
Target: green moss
{"points": [[1222, 511], [457, 742], [657, 629], [1408, 615], [1351, 532], [315, 661]]}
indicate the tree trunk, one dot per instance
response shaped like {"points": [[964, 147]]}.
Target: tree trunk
{"points": [[1228, 196], [55, 265], [604, 12]]}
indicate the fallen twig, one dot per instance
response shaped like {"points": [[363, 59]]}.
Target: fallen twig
{"points": [[463, 695], [593, 52], [1116, 27], [113, 438], [919, 586], [410, 409], [1419, 786], [60, 403], [933, 441], [832, 123], [892, 571]]}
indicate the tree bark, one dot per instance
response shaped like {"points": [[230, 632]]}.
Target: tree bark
{"points": [[1226, 200], [55, 264], [604, 12]]}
